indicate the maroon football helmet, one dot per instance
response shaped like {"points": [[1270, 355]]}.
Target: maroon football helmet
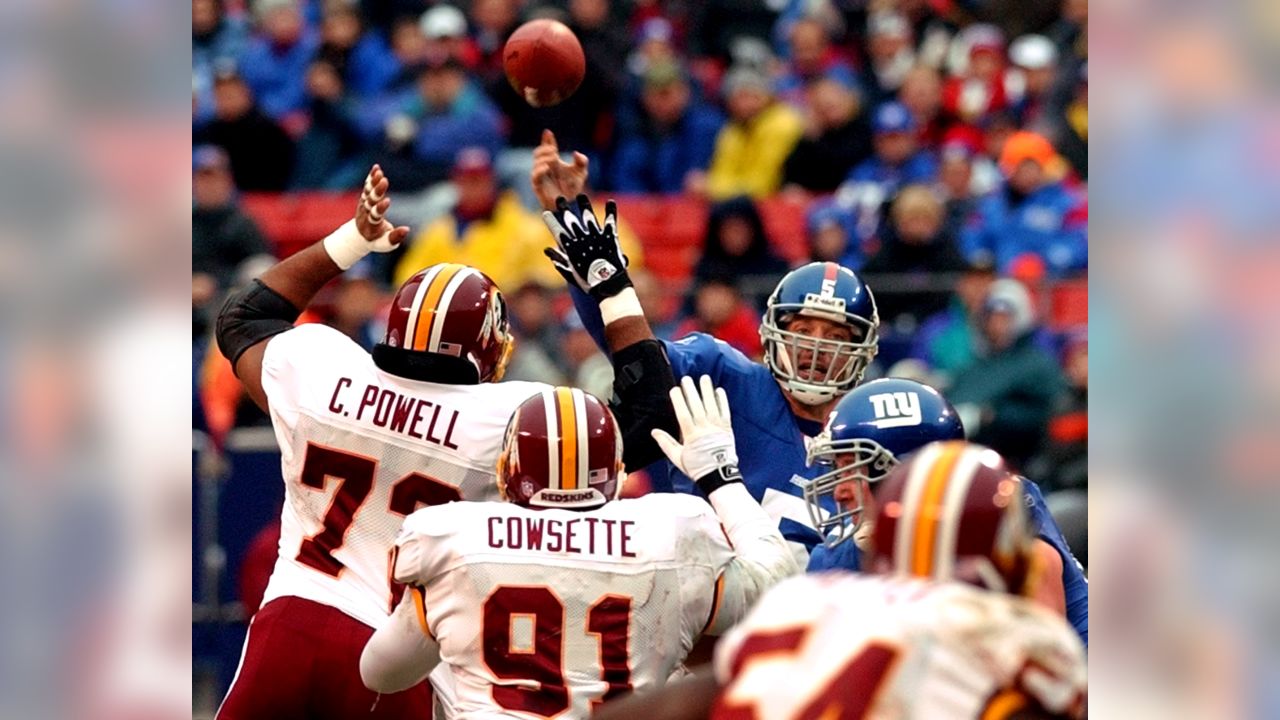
{"points": [[447, 323], [954, 511], [562, 450]]}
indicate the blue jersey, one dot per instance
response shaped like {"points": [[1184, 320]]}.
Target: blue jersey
{"points": [[844, 556], [770, 438], [1075, 586]]}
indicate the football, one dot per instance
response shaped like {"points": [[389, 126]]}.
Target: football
{"points": [[544, 62]]}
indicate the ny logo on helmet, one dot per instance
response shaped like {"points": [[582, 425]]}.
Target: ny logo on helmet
{"points": [[898, 409]]}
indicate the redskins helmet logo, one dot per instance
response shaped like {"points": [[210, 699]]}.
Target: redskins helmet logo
{"points": [[489, 329]]}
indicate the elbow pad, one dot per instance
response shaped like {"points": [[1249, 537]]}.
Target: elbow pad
{"points": [[642, 381], [250, 316]]}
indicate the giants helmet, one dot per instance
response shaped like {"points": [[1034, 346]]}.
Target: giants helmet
{"points": [[953, 511], [866, 435], [447, 323], [562, 450], [831, 292]]}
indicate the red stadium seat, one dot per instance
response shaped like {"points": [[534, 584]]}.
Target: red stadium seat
{"points": [[294, 221], [784, 222], [1069, 304]]}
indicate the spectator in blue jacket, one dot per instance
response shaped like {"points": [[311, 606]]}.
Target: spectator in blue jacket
{"points": [[421, 129], [674, 135], [830, 230], [217, 39], [362, 57], [1032, 215], [330, 153], [898, 161], [275, 62]]}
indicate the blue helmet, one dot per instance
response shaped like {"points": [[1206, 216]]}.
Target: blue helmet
{"points": [[868, 433], [815, 370]]}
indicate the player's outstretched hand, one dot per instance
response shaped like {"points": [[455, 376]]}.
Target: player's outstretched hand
{"points": [[369, 231], [371, 213], [587, 252], [707, 453], [552, 177]]}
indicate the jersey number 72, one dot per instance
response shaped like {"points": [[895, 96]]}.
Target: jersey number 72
{"points": [[355, 475]]}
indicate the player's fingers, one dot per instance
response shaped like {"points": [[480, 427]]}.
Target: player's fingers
{"points": [[610, 214], [722, 399], [588, 212], [553, 224], [707, 396], [669, 446], [681, 409], [549, 138], [580, 161], [707, 393], [398, 235], [696, 410]]}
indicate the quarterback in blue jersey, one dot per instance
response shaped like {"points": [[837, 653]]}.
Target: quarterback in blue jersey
{"points": [[870, 432], [820, 332]]}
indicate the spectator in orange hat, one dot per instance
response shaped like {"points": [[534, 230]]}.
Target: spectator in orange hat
{"points": [[1034, 213]]}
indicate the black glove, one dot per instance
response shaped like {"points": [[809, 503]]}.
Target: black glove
{"points": [[588, 253]]}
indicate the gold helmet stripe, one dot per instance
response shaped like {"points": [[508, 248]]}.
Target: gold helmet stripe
{"points": [[568, 439], [430, 310], [929, 512]]}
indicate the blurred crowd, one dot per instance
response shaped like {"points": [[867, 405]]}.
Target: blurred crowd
{"points": [[939, 147]]}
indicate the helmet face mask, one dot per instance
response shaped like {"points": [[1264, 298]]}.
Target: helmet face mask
{"points": [[858, 461], [873, 428], [815, 370]]}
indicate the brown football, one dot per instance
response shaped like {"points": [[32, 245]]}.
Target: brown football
{"points": [[544, 62]]}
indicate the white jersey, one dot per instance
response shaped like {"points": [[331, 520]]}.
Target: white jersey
{"points": [[362, 449], [551, 611], [844, 645]]}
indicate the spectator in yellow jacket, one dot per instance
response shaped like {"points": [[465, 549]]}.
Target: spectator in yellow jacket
{"points": [[490, 230], [752, 147]]}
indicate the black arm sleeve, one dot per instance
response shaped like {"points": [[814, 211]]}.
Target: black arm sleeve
{"points": [[641, 401], [250, 316]]}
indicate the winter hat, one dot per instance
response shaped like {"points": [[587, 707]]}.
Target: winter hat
{"points": [[1011, 296]]}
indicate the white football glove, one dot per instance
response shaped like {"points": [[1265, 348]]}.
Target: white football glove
{"points": [[706, 430]]}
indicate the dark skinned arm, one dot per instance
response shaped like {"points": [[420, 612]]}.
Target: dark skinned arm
{"points": [[298, 278], [689, 698]]}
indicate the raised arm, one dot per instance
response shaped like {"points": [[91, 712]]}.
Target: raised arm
{"points": [[271, 304], [762, 556], [401, 653]]}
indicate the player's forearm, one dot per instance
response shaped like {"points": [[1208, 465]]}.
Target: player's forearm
{"points": [[399, 655], [642, 380], [763, 557], [299, 277]]}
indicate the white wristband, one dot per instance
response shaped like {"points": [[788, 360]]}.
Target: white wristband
{"points": [[346, 245], [624, 304]]}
